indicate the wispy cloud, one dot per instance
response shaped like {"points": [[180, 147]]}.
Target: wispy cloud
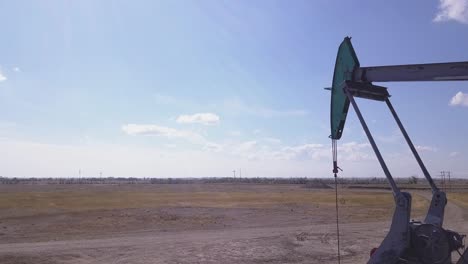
{"points": [[272, 140], [254, 150], [162, 131], [263, 149], [213, 147], [354, 151], [16, 69], [350, 151], [7, 125], [199, 118], [2, 77], [238, 106], [150, 130], [234, 133], [233, 105], [460, 99], [247, 149], [177, 102], [135, 161], [454, 154], [394, 137], [305, 151], [456, 10], [426, 148]]}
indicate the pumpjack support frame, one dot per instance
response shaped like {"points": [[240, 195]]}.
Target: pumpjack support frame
{"points": [[398, 240], [406, 242]]}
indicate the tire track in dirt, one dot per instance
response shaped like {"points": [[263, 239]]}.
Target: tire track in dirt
{"points": [[246, 245]]}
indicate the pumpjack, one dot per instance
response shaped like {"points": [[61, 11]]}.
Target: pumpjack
{"points": [[416, 242]]}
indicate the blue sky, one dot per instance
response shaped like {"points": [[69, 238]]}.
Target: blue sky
{"points": [[202, 88]]}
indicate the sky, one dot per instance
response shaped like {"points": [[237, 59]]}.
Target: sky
{"points": [[208, 87]]}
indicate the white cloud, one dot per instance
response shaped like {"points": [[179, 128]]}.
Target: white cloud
{"points": [[199, 118], [247, 149], [454, 154], [52, 160], [246, 146], [155, 130], [426, 148], [353, 151], [211, 160], [456, 10], [265, 150], [16, 69], [113, 160], [2, 77], [459, 99], [306, 151]]}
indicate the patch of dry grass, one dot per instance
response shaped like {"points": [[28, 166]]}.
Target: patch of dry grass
{"points": [[460, 198], [82, 200]]}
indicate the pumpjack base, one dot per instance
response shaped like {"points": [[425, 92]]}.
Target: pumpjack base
{"points": [[417, 242]]}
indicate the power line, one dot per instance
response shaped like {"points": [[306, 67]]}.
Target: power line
{"points": [[444, 177], [442, 180]]}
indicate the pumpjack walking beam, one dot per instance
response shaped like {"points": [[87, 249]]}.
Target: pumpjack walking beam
{"points": [[449, 71]]}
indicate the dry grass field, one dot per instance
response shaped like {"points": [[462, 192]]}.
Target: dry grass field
{"points": [[36, 202], [192, 223], [460, 198]]}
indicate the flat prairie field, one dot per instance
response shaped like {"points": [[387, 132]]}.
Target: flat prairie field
{"points": [[199, 223]]}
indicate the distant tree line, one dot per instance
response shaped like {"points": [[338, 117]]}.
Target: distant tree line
{"points": [[212, 180]]}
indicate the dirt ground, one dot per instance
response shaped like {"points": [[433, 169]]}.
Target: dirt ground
{"points": [[197, 223]]}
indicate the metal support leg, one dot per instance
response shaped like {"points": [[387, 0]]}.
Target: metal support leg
{"points": [[463, 258], [395, 188], [397, 240], [435, 214], [413, 149]]}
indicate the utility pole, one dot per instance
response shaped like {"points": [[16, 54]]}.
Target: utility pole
{"points": [[240, 173], [442, 179], [450, 185], [234, 171]]}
